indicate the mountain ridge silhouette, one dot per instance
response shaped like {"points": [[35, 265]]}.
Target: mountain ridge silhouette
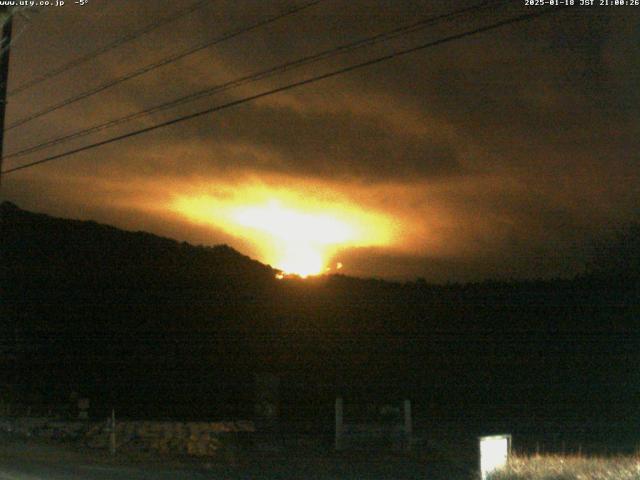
{"points": [[161, 328]]}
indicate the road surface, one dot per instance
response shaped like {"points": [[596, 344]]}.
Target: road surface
{"points": [[28, 459]]}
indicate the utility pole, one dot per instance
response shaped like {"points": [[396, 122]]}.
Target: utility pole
{"points": [[6, 16]]}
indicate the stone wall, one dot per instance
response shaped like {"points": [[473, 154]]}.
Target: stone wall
{"points": [[188, 438]]}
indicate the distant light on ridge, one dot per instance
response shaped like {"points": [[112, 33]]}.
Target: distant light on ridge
{"points": [[296, 233]]}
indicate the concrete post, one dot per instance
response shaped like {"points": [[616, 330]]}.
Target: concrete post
{"points": [[408, 425], [112, 433], [339, 423], [267, 398], [83, 408], [494, 454]]}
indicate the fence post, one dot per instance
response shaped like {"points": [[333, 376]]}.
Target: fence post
{"points": [[339, 423], [408, 425], [112, 433]]}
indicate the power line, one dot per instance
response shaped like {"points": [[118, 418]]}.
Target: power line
{"points": [[110, 46], [281, 68], [293, 85], [160, 63]]}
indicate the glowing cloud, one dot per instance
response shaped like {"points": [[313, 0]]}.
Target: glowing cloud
{"points": [[296, 232]]}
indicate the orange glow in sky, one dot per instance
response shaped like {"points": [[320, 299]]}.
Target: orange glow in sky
{"points": [[293, 231]]}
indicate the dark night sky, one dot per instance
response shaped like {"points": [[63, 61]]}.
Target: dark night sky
{"points": [[503, 154]]}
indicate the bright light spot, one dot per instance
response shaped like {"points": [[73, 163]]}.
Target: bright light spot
{"points": [[293, 226], [295, 232], [494, 453], [304, 237], [304, 260]]}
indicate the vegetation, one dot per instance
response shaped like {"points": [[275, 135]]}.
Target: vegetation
{"points": [[159, 328], [570, 467]]}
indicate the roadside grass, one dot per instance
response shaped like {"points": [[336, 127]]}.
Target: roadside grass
{"points": [[570, 467]]}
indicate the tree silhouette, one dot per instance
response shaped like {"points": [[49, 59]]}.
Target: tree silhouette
{"points": [[618, 255]]}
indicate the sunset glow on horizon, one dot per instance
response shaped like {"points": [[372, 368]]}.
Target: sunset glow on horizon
{"points": [[295, 233]]}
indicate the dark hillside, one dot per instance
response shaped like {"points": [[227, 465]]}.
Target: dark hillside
{"points": [[162, 328]]}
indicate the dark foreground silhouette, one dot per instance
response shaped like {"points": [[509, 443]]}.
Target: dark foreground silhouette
{"points": [[162, 329]]}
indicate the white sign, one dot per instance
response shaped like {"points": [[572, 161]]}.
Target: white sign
{"points": [[494, 453]]}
